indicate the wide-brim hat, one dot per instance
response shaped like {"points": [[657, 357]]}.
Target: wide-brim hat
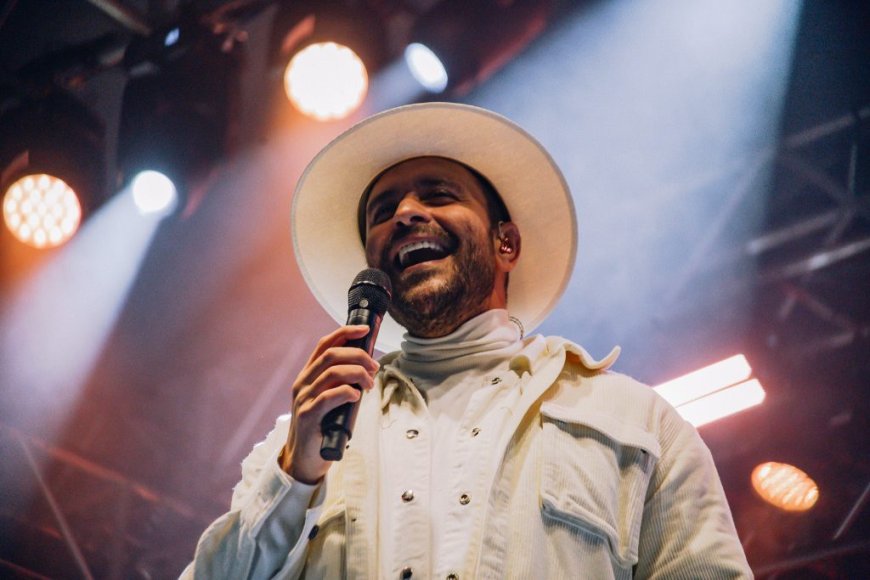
{"points": [[326, 237]]}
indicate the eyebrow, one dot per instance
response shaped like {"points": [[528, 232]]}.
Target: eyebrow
{"points": [[376, 199]]}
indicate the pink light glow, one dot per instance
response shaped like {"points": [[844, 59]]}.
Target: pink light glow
{"points": [[705, 380], [723, 403]]}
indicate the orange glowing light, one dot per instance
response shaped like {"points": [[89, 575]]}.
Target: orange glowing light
{"points": [[326, 81], [785, 486], [41, 210]]}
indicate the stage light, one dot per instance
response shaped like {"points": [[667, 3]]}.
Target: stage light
{"points": [[426, 67], [705, 380], [701, 396], [785, 486], [325, 52], [722, 403], [51, 158], [326, 81], [459, 44], [154, 192], [178, 109], [41, 210]]}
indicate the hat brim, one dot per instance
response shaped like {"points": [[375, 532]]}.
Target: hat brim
{"points": [[324, 214]]}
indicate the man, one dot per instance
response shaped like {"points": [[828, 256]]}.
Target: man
{"points": [[477, 453]]}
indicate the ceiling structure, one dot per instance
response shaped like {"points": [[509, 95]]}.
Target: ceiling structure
{"points": [[118, 476]]}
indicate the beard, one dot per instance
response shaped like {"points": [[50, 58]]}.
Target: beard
{"points": [[432, 303]]}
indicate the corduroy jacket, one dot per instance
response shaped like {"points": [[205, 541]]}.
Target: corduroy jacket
{"points": [[601, 478]]}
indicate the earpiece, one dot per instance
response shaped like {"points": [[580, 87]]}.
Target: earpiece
{"points": [[506, 246]]}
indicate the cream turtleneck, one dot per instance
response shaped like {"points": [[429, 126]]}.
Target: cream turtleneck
{"points": [[478, 345]]}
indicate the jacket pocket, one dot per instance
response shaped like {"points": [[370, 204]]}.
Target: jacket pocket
{"points": [[327, 544], [594, 475]]}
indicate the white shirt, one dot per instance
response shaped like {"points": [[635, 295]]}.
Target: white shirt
{"points": [[439, 442]]}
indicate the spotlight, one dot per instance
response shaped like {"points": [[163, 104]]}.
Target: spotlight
{"points": [[53, 173], [458, 44], [178, 109], [41, 210], [154, 192], [785, 486], [326, 51], [426, 67], [326, 81]]}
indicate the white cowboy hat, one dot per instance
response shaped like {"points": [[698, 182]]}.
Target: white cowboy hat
{"points": [[326, 237]]}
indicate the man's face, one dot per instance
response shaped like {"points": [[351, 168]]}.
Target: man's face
{"points": [[429, 230]]}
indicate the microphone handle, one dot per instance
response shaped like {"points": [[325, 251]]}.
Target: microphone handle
{"points": [[337, 425]]}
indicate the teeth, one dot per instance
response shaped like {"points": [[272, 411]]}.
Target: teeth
{"points": [[405, 250]]}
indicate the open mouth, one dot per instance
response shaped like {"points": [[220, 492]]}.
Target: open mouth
{"points": [[419, 252]]}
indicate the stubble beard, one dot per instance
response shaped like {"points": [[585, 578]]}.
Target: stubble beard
{"points": [[428, 307]]}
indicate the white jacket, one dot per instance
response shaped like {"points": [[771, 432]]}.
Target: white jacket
{"points": [[601, 479]]}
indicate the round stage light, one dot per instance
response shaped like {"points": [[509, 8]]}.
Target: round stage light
{"points": [[326, 81], [41, 210], [153, 192], [785, 486], [426, 67]]}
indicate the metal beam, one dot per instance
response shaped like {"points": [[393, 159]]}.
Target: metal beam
{"points": [[65, 530], [812, 557], [125, 16], [816, 261]]}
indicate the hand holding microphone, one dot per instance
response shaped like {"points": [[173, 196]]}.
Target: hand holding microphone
{"points": [[367, 302], [326, 391]]}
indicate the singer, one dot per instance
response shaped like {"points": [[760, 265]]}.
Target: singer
{"points": [[478, 450]]}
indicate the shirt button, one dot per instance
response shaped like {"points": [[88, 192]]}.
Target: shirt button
{"points": [[475, 432], [493, 381], [464, 499], [407, 495], [313, 533], [452, 577], [407, 572], [411, 433]]}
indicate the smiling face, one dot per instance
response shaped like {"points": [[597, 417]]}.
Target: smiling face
{"points": [[428, 228]]}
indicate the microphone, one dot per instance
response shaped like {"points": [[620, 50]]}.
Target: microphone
{"points": [[367, 301]]}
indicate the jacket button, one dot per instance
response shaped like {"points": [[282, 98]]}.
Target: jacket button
{"points": [[492, 381], [313, 533], [407, 495], [411, 433], [452, 576], [407, 572], [464, 499], [475, 432]]}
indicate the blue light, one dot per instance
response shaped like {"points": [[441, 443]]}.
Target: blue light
{"points": [[172, 37]]}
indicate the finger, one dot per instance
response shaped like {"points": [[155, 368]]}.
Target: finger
{"points": [[338, 337], [337, 355], [313, 412], [334, 377]]}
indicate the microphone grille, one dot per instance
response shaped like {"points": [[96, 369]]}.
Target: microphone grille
{"points": [[372, 285]]}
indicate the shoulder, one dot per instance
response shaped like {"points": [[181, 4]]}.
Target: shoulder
{"points": [[592, 388]]}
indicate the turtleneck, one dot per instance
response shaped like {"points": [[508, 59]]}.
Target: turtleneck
{"points": [[479, 343]]}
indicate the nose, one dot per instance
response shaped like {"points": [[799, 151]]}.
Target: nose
{"points": [[411, 210]]}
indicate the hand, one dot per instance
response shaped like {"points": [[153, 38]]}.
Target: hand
{"points": [[323, 384]]}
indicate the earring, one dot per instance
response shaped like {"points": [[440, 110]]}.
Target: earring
{"points": [[505, 247]]}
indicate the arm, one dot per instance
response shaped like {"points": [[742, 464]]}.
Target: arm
{"points": [[687, 530], [278, 501], [268, 523]]}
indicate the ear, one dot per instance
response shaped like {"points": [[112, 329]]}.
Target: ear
{"points": [[508, 243]]}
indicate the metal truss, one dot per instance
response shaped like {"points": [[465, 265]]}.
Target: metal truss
{"points": [[96, 521], [813, 243]]}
